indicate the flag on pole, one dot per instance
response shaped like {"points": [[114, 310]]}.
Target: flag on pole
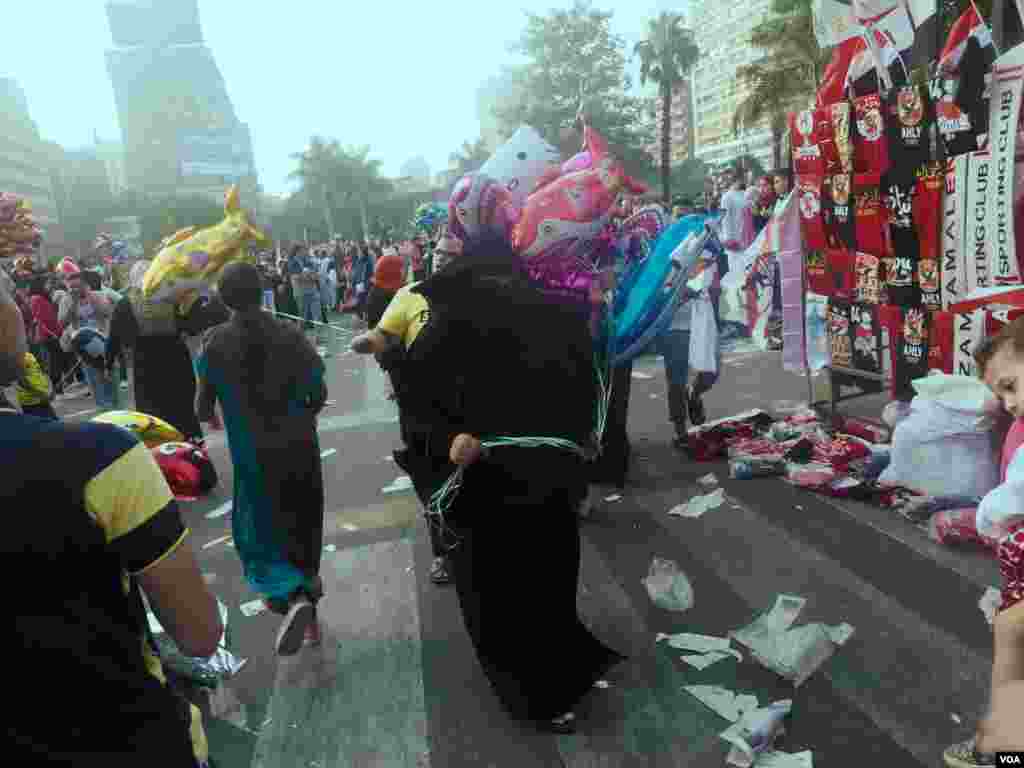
{"points": [[969, 25], [839, 20]]}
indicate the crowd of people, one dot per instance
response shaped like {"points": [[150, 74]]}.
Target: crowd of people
{"points": [[468, 341]]}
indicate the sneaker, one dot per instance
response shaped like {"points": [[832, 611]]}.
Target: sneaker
{"points": [[293, 627], [965, 755], [440, 574]]}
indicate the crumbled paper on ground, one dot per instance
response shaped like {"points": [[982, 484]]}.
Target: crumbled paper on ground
{"points": [[685, 641], [614, 497], [738, 417], [220, 511], [601, 684], [708, 480], [329, 452], [702, 661], [840, 633], [698, 505], [755, 733], [775, 759], [403, 483], [728, 704], [795, 654], [990, 602], [956, 718], [641, 375], [667, 585], [781, 617], [331, 548], [252, 608]]}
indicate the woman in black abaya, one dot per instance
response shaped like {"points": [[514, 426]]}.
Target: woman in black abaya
{"points": [[498, 359]]}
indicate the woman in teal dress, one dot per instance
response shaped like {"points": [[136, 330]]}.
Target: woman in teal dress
{"points": [[269, 381]]}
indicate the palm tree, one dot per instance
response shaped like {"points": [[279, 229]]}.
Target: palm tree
{"points": [[666, 58], [786, 76], [470, 157], [320, 167], [361, 181]]}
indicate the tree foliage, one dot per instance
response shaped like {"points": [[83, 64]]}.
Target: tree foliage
{"points": [[667, 57], [573, 57], [785, 77], [469, 157]]}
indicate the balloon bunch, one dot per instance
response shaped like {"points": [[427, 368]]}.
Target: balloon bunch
{"points": [[20, 235], [429, 216], [191, 260]]}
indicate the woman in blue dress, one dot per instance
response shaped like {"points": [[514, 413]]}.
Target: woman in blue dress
{"points": [[269, 381]]}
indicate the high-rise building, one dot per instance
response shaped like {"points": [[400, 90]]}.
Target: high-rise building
{"points": [[179, 127], [725, 45], [25, 161]]}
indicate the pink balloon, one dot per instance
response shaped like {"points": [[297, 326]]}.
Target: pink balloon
{"points": [[581, 161]]}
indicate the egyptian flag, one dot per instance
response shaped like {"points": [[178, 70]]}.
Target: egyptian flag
{"points": [[960, 89]]}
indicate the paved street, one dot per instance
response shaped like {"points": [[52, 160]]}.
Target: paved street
{"points": [[396, 682]]}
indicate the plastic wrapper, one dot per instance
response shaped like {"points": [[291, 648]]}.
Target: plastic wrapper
{"points": [[192, 260], [958, 527], [668, 586], [747, 467], [223, 665], [755, 733]]}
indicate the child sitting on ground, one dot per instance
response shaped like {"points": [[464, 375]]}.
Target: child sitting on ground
{"points": [[1000, 516], [35, 390]]}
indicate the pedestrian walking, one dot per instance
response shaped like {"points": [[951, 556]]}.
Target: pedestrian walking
{"points": [[269, 381]]}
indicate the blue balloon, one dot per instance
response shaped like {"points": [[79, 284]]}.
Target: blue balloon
{"points": [[643, 306]]}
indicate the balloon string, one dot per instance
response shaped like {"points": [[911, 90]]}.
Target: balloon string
{"points": [[442, 499]]}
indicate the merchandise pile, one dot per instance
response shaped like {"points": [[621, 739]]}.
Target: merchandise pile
{"points": [[19, 233]]}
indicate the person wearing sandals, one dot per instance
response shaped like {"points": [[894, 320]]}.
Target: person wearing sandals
{"points": [[497, 358], [269, 381], [396, 331]]}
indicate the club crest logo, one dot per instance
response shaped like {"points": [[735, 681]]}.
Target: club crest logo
{"points": [[869, 124], [910, 106], [913, 327]]}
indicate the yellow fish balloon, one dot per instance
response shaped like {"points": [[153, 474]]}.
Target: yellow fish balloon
{"points": [[149, 429], [191, 260]]}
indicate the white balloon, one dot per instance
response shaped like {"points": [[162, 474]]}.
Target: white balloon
{"points": [[519, 163]]}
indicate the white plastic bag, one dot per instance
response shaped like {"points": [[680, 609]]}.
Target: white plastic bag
{"points": [[668, 586], [703, 336], [943, 447]]}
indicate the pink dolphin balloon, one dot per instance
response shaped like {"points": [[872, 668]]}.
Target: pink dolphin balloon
{"points": [[574, 206]]}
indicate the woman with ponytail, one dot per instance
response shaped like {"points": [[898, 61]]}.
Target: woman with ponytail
{"points": [[269, 381]]}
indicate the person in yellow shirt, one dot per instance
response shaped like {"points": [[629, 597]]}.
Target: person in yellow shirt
{"points": [[35, 390], [396, 331]]}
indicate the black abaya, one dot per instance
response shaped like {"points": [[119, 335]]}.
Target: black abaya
{"points": [[165, 381], [498, 359]]}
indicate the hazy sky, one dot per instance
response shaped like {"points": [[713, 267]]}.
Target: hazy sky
{"points": [[398, 75]]}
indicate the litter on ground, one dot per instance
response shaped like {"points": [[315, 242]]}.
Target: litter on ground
{"points": [[614, 497], [685, 641], [252, 608], [755, 732], [668, 586], [220, 511], [708, 480], [727, 704], [331, 548], [989, 603], [328, 452], [701, 661], [698, 505], [642, 376]]}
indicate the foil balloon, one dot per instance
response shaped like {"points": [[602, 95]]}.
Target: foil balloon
{"points": [[151, 430], [187, 469], [645, 300], [574, 206], [519, 162], [190, 261], [480, 204]]}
